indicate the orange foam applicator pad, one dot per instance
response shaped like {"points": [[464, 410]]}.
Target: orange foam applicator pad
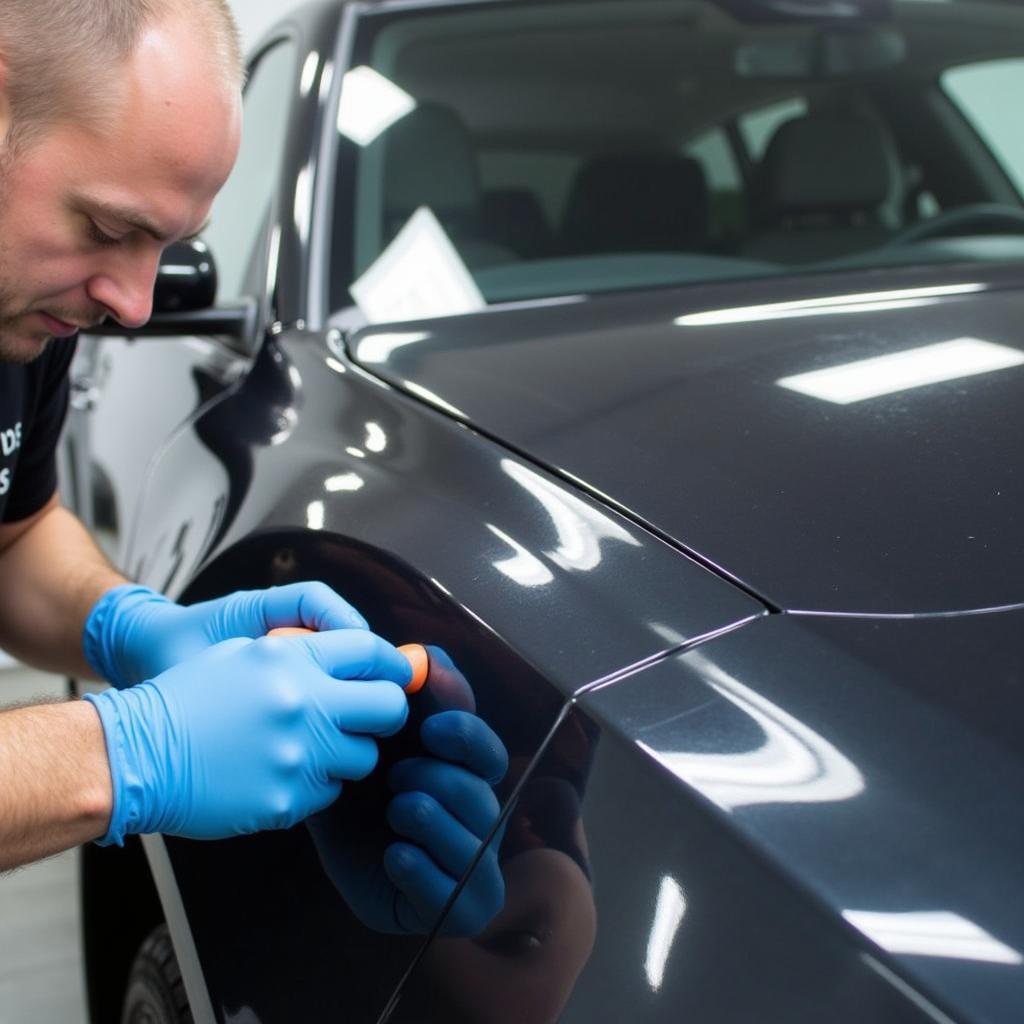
{"points": [[420, 661]]}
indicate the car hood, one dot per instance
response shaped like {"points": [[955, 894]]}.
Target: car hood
{"points": [[693, 410]]}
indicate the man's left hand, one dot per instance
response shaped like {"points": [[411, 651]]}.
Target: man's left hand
{"points": [[134, 633]]}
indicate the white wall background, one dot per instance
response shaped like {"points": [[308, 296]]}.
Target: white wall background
{"points": [[256, 16]]}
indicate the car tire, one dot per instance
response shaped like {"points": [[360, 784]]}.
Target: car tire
{"points": [[155, 993]]}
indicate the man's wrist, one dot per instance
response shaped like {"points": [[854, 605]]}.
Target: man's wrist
{"points": [[127, 792], [102, 637], [96, 795]]}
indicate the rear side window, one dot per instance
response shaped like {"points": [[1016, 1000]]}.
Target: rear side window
{"points": [[987, 95]]}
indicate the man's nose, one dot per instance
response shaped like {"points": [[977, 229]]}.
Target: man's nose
{"points": [[127, 291]]}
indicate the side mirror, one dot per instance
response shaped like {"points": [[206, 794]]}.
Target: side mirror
{"points": [[186, 280], [183, 301]]}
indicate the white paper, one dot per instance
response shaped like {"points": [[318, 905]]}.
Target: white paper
{"points": [[418, 276]]}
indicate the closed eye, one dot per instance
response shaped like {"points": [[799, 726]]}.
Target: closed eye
{"points": [[98, 236]]}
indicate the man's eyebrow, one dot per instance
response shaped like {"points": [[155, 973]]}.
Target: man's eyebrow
{"points": [[140, 221]]}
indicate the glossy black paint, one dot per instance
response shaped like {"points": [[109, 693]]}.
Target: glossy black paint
{"points": [[874, 763], [627, 901], [901, 503]]}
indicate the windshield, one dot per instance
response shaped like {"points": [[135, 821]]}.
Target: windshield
{"points": [[497, 152]]}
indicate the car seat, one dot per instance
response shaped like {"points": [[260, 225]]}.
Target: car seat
{"points": [[828, 185], [637, 203], [514, 218], [429, 160]]}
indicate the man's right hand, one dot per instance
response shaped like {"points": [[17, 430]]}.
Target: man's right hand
{"points": [[250, 734]]}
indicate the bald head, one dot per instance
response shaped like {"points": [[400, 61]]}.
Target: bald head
{"points": [[61, 60]]}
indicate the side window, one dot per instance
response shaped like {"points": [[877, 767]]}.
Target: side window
{"points": [[986, 95], [240, 211], [758, 126]]}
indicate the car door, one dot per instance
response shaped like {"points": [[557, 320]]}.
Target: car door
{"points": [[640, 882]]}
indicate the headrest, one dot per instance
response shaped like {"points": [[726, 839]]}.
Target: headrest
{"points": [[829, 163], [515, 218], [429, 161], [637, 203]]}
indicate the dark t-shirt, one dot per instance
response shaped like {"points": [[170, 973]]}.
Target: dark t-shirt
{"points": [[33, 403]]}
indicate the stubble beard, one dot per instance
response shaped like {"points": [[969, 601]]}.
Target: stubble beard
{"points": [[12, 348], [16, 345]]}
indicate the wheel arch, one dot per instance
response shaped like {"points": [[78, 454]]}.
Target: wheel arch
{"points": [[400, 604]]}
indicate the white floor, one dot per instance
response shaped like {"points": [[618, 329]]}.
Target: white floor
{"points": [[40, 966]]}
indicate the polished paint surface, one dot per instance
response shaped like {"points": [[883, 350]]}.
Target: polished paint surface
{"points": [[308, 447], [877, 764], [904, 502], [617, 910]]}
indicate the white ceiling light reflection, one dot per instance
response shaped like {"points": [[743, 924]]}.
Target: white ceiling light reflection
{"points": [[668, 915], [376, 439], [182, 270], [326, 80], [302, 211], [315, 515], [901, 371], [523, 567], [580, 528], [932, 933], [428, 396], [356, 453], [793, 764], [343, 482], [286, 422], [832, 305], [377, 348], [274, 252], [370, 104], [308, 73]]}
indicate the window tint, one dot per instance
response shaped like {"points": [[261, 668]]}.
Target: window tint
{"points": [[241, 209], [988, 96]]}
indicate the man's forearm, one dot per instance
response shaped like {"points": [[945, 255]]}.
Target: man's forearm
{"points": [[56, 790], [50, 578]]}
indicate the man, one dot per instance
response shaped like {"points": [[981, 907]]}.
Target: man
{"points": [[120, 121]]}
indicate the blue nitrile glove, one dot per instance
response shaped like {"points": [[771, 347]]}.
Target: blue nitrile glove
{"points": [[443, 809], [134, 633], [249, 734]]}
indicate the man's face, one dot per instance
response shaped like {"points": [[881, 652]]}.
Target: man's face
{"points": [[85, 215]]}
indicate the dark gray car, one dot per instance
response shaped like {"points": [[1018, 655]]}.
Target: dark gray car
{"points": [[661, 361]]}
